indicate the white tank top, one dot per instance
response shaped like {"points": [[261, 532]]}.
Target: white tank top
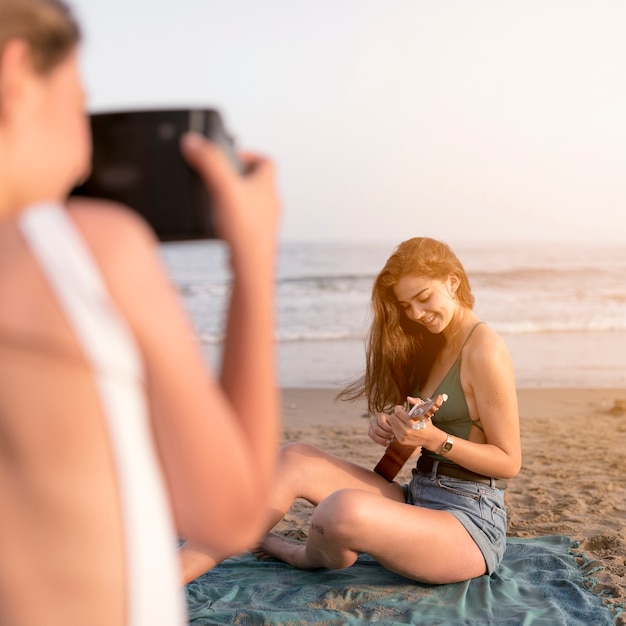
{"points": [[154, 592]]}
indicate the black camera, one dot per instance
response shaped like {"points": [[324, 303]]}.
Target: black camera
{"points": [[137, 161]]}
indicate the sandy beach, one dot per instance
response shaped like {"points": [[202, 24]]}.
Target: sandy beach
{"points": [[572, 481]]}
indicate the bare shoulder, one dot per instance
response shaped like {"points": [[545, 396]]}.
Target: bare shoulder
{"points": [[125, 249], [116, 235], [108, 223], [487, 348]]}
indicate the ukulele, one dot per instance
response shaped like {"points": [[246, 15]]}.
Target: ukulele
{"points": [[397, 454]]}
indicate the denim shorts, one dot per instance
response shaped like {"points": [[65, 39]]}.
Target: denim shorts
{"points": [[480, 508]]}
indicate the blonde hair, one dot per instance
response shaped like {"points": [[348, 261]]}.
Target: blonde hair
{"points": [[47, 26], [399, 352]]}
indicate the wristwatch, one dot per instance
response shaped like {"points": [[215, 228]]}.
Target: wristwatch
{"points": [[447, 445]]}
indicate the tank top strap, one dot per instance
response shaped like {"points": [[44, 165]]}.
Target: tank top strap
{"points": [[471, 332]]}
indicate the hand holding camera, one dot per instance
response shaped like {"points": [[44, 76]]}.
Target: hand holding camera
{"points": [[137, 161], [245, 207]]}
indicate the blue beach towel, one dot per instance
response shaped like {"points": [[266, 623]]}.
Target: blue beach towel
{"points": [[538, 584]]}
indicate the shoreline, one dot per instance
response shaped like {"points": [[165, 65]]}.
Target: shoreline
{"points": [[571, 482]]}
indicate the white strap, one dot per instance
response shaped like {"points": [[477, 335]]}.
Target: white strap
{"points": [[154, 595]]}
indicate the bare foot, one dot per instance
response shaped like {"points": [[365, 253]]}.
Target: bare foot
{"points": [[261, 554], [284, 549]]}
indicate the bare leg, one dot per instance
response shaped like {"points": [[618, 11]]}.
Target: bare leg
{"points": [[359, 511], [422, 544], [303, 472], [284, 549], [312, 474]]}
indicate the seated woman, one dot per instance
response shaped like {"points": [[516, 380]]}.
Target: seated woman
{"points": [[449, 523]]}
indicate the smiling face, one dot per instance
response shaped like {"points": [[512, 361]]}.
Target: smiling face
{"points": [[427, 301]]}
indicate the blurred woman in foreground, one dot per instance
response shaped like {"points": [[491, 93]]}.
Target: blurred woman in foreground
{"points": [[114, 436]]}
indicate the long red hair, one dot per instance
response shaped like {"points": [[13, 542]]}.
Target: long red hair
{"points": [[399, 352]]}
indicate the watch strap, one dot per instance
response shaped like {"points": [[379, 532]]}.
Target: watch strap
{"points": [[447, 445]]}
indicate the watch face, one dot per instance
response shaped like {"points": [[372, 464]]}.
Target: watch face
{"points": [[447, 446]]}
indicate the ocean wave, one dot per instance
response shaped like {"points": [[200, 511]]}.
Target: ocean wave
{"points": [[504, 328], [542, 277], [522, 274], [503, 282], [200, 289], [528, 327], [208, 338], [316, 335], [294, 285], [325, 278]]}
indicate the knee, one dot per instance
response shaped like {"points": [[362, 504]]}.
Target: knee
{"points": [[341, 514], [295, 454], [296, 449], [301, 458]]}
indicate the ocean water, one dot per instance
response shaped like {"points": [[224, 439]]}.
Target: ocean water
{"points": [[560, 307]]}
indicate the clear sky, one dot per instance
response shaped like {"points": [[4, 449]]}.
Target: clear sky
{"points": [[458, 119]]}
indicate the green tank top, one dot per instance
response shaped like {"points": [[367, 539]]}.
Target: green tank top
{"points": [[453, 417]]}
